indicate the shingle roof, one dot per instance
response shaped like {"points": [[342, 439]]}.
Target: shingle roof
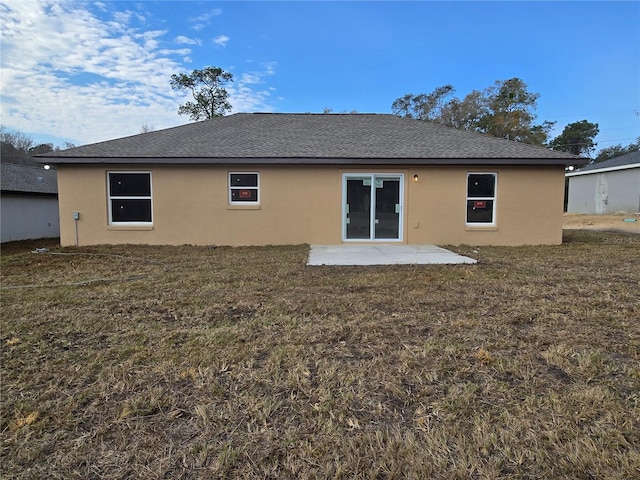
{"points": [[310, 138], [621, 161], [27, 179]]}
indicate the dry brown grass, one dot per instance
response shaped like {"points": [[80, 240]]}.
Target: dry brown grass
{"points": [[190, 362]]}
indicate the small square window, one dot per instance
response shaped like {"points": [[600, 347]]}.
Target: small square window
{"points": [[244, 188]]}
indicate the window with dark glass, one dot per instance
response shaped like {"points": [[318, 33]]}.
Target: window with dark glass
{"points": [[481, 198], [129, 197], [243, 188]]}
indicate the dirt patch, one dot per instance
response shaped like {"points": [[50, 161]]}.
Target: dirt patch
{"points": [[613, 222]]}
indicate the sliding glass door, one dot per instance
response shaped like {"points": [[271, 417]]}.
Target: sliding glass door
{"points": [[372, 207]]}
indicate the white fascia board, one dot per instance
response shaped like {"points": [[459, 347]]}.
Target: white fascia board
{"points": [[601, 170]]}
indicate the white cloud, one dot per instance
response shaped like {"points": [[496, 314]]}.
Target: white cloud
{"points": [[201, 21], [221, 40], [122, 17], [182, 40], [250, 78], [69, 74], [207, 16], [249, 93]]}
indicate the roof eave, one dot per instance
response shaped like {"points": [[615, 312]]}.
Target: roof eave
{"points": [[9, 191], [309, 161]]}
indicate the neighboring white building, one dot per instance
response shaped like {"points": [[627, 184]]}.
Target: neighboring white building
{"points": [[29, 203], [606, 187]]}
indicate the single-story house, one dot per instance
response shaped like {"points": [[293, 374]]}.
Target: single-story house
{"points": [[606, 187], [28, 202], [260, 179]]}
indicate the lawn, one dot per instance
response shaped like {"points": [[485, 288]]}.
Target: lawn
{"points": [[194, 362]]}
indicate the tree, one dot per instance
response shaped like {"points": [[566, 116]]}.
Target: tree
{"points": [[328, 110], [577, 138], [465, 114], [510, 113], [423, 106], [616, 151], [504, 110], [17, 140], [146, 128], [14, 146], [42, 148], [17, 147], [207, 88]]}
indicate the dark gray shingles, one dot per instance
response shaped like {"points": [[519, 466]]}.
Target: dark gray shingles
{"points": [[310, 136], [27, 179], [621, 161]]}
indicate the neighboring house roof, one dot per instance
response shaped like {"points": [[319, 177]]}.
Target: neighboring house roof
{"points": [[623, 162], [267, 138], [17, 178]]}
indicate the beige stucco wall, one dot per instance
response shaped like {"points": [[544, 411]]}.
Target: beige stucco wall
{"points": [[304, 205], [529, 207]]}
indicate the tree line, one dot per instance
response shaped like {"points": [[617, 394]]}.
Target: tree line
{"points": [[505, 110], [17, 147]]}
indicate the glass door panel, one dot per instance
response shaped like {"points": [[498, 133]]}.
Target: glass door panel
{"points": [[358, 207], [387, 208]]}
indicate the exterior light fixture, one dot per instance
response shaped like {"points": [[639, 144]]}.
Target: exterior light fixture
{"points": [[47, 167], [415, 177]]}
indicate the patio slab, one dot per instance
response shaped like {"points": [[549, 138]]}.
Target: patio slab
{"points": [[348, 254]]}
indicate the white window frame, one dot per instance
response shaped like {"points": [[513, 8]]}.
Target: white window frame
{"points": [[256, 188], [480, 199], [373, 176], [120, 197]]}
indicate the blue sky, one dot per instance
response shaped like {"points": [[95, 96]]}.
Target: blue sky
{"points": [[83, 72]]}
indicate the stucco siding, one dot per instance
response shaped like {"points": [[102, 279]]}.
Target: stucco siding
{"points": [[528, 207], [27, 217], [190, 206], [303, 204], [605, 192]]}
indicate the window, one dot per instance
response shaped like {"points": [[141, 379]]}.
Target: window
{"points": [[129, 197], [243, 188], [481, 198]]}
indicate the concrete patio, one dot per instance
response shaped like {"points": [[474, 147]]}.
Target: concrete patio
{"points": [[371, 254]]}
